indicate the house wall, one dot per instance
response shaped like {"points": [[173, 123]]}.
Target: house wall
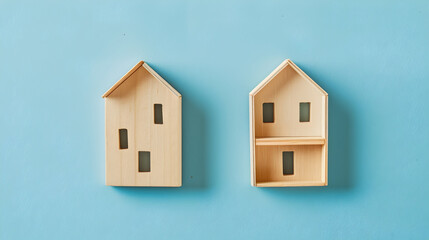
{"points": [[131, 106], [308, 163], [286, 90]]}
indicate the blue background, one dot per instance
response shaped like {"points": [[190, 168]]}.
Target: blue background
{"points": [[58, 58]]}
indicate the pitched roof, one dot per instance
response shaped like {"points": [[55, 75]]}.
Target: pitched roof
{"points": [[276, 71], [150, 70]]}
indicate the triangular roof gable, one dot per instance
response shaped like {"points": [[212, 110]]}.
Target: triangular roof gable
{"points": [[280, 68], [150, 70]]}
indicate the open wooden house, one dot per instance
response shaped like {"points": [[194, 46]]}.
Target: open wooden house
{"points": [[143, 131], [288, 130]]}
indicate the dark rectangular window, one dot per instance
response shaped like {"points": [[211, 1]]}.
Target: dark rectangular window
{"points": [[304, 112], [123, 138], [157, 108], [287, 163], [144, 161], [268, 112]]}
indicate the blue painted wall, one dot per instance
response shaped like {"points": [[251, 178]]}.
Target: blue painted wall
{"points": [[58, 58]]}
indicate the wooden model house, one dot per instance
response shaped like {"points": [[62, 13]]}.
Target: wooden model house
{"points": [[288, 130], [143, 131]]}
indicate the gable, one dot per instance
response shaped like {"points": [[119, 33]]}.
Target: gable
{"points": [[286, 70], [289, 81], [138, 69], [286, 89]]}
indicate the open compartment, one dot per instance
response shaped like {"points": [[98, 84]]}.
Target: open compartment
{"points": [[290, 165], [288, 119]]}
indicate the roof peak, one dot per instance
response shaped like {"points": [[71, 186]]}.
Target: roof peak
{"points": [[280, 68], [150, 70]]}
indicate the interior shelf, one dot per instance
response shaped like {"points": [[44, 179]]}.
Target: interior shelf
{"points": [[290, 141]]}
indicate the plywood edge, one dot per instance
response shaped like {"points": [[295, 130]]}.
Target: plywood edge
{"points": [[274, 73], [278, 141], [159, 78], [180, 138], [125, 77], [252, 142], [305, 76], [326, 139], [292, 184], [143, 185]]}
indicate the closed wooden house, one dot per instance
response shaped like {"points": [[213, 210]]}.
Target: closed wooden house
{"points": [[143, 131]]}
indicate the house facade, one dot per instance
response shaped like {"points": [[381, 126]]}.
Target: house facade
{"points": [[288, 129], [143, 131]]}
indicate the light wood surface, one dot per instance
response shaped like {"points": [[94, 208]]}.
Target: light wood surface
{"points": [[287, 90], [252, 141], [288, 86], [130, 105], [307, 163], [125, 77], [290, 141], [290, 184]]}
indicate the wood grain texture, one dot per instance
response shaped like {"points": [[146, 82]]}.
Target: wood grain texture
{"points": [[287, 90], [307, 163], [252, 142], [288, 86], [290, 141], [125, 77], [131, 106]]}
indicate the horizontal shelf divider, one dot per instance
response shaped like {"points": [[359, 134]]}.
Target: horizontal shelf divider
{"points": [[267, 141]]}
